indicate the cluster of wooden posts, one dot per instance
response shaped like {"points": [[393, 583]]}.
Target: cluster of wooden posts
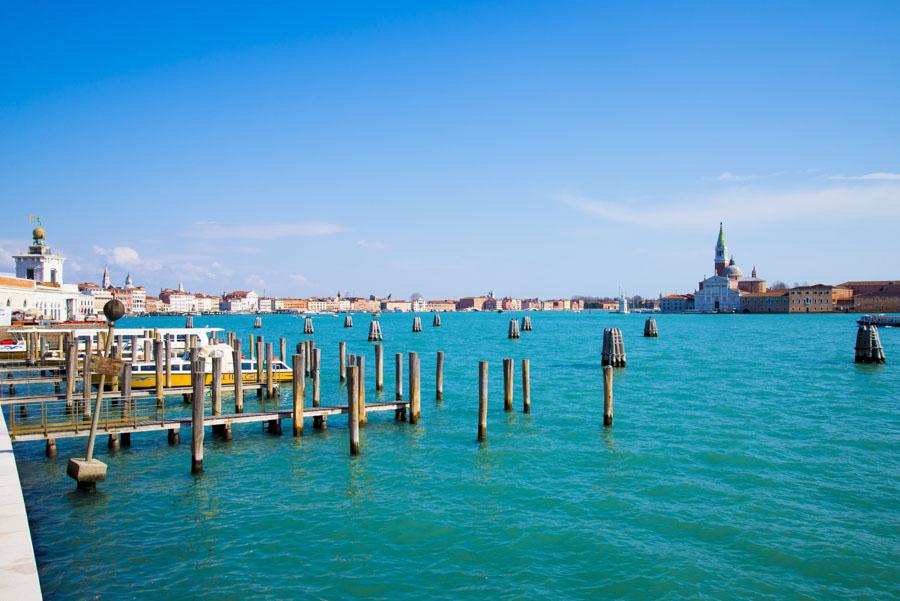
{"points": [[508, 367], [375, 331], [868, 345]]}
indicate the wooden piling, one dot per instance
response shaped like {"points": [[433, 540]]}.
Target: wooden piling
{"points": [[436, 322], [607, 395], [526, 323], [270, 372], [71, 355], [508, 384], [252, 348], [482, 399], [650, 330], [417, 324], [868, 345], [126, 401], [86, 380], [439, 377], [299, 385], [237, 360], [398, 370], [526, 386], [148, 350], [50, 449], [168, 347], [216, 389], [342, 358], [198, 379], [353, 408], [260, 364], [375, 331], [415, 399], [361, 389], [317, 388], [613, 348], [282, 348], [308, 326], [379, 367], [513, 329], [348, 321]]}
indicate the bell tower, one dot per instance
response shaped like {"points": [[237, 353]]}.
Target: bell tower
{"points": [[721, 252]]}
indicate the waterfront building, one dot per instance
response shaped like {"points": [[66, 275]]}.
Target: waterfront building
{"points": [[878, 296], [770, 301], [717, 293], [239, 301], [753, 284], [295, 304], [471, 303], [178, 300], [419, 304], [676, 303], [441, 305], [531, 304], [152, 304], [722, 291], [396, 305], [37, 290], [818, 298], [562, 304]]}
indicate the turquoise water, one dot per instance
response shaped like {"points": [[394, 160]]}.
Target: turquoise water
{"points": [[749, 458]]}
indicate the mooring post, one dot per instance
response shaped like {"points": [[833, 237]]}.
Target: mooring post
{"points": [[86, 379], [526, 386], [317, 388], [400, 412], [198, 380], [299, 383], [607, 395], [342, 358], [160, 368], [508, 384], [482, 399], [236, 359], [439, 377], [361, 388], [415, 398], [252, 347], [282, 344], [353, 408], [71, 354], [125, 393], [168, 361], [50, 450], [216, 390], [379, 367], [260, 363], [270, 372]]}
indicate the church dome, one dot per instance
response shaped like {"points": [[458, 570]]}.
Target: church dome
{"points": [[733, 271]]}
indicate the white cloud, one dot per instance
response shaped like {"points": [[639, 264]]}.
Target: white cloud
{"points": [[372, 244], [125, 256], [878, 176], [299, 279], [728, 176], [752, 207], [214, 230], [6, 258]]}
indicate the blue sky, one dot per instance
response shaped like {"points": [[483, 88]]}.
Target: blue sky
{"points": [[530, 148]]}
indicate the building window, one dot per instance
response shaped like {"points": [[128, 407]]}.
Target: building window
{"points": [[29, 273], [53, 276]]}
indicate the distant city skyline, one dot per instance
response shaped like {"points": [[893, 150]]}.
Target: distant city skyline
{"points": [[450, 149]]}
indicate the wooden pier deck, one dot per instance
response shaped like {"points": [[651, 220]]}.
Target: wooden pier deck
{"points": [[67, 430]]}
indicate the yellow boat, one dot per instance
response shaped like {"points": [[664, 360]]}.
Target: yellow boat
{"points": [[143, 373]]}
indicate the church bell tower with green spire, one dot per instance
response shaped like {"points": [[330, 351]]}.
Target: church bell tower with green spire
{"points": [[721, 252]]}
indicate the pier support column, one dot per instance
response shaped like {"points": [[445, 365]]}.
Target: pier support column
{"points": [[526, 386], [482, 400], [50, 451]]}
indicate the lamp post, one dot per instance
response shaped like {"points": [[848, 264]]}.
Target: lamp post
{"points": [[88, 471]]}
